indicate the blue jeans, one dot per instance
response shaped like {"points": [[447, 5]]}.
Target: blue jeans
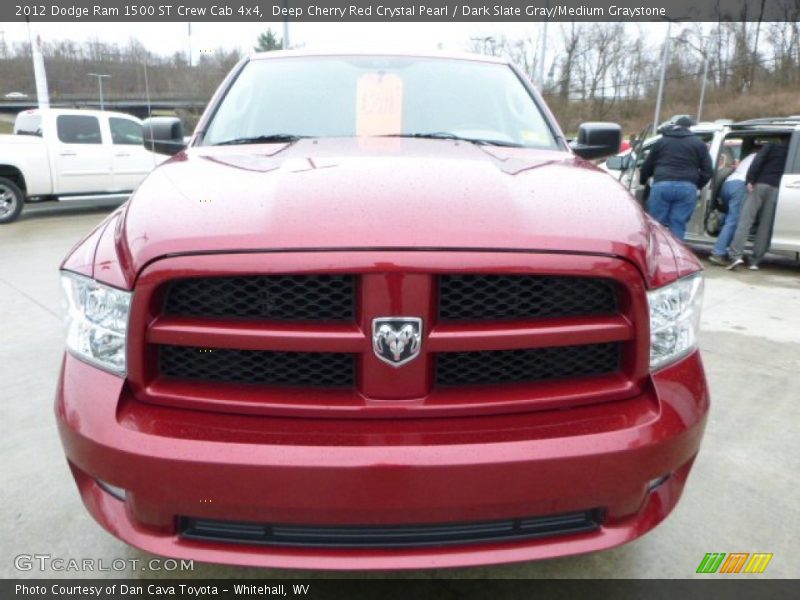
{"points": [[672, 203], [733, 193]]}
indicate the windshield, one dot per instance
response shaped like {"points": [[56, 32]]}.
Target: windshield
{"points": [[277, 99]]}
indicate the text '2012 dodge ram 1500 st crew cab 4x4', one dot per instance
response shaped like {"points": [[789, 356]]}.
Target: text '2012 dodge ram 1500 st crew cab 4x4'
{"points": [[380, 315]]}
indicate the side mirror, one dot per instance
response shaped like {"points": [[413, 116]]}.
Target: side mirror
{"points": [[615, 163], [596, 140], [163, 135]]}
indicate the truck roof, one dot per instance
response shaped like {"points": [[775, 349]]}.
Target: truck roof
{"points": [[772, 124], [793, 120], [75, 111]]}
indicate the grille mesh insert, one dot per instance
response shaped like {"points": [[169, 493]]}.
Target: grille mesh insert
{"points": [[316, 369], [519, 366], [267, 297], [487, 297], [389, 536]]}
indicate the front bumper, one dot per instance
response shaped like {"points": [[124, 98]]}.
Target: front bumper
{"points": [[183, 463]]}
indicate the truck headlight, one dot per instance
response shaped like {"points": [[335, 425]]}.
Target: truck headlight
{"points": [[674, 319], [96, 321]]}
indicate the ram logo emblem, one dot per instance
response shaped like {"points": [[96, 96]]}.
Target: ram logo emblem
{"points": [[397, 340]]}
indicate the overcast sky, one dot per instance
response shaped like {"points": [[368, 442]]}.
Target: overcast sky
{"points": [[167, 38]]}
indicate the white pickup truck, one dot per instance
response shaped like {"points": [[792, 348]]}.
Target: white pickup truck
{"points": [[61, 154]]}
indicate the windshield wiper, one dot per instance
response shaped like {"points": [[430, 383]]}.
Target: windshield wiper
{"points": [[446, 135], [262, 139], [436, 135]]}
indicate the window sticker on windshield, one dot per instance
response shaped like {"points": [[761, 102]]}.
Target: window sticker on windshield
{"points": [[379, 109], [534, 137]]}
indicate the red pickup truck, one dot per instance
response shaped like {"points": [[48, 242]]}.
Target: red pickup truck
{"points": [[381, 314]]}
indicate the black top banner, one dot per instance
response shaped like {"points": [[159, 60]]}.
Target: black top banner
{"points": [[397, 10]]}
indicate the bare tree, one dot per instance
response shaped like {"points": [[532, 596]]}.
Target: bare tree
{"points": [[571, 36]]}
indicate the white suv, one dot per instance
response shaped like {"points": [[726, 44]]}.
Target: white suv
{"points": [[728, 142]]}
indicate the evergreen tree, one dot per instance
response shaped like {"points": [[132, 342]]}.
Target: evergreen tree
{"points": [[268, 41]]}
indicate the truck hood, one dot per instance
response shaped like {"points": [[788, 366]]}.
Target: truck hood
{"points": [[385, 193]]}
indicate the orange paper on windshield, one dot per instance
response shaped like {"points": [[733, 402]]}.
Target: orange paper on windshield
{"points": [[379, 104]]}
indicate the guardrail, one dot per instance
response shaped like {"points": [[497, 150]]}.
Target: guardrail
{"points": [[136, 107]]}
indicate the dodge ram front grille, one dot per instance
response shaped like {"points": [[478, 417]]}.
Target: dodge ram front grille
{"points": [[491, 297], [273, 297], [389, 536], [520, 333], [313, 369], [518, 366]]}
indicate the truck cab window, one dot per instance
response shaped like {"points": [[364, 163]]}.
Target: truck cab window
{"points": [[78, 129], [126, 132]]}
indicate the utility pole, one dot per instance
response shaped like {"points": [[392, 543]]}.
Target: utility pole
{"points": [[705, 51], [664, 59], [706, 57], [100, 77], [543, 49], [755, 46], [286, 43], [39, 74], [189, 38]]}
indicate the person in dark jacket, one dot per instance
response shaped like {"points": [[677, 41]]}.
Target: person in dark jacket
{"points": [[763, 179], [679, 164]]}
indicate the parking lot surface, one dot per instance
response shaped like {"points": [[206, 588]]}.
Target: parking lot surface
{"points": [[741, 496]]}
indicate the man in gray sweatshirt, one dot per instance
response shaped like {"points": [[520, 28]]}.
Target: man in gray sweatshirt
{"points": [[763, 179]]}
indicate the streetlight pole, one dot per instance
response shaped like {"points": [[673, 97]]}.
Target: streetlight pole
{"points": [[664, 59], [543, 50], [286, 43], [705, 51], [39, 74], [703, 86], [100, 77]]}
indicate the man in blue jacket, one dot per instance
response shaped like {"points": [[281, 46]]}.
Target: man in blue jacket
{"points": [[679, 164]]}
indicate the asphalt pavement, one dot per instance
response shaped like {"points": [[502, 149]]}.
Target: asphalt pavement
{"points": [[741, 496]]}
